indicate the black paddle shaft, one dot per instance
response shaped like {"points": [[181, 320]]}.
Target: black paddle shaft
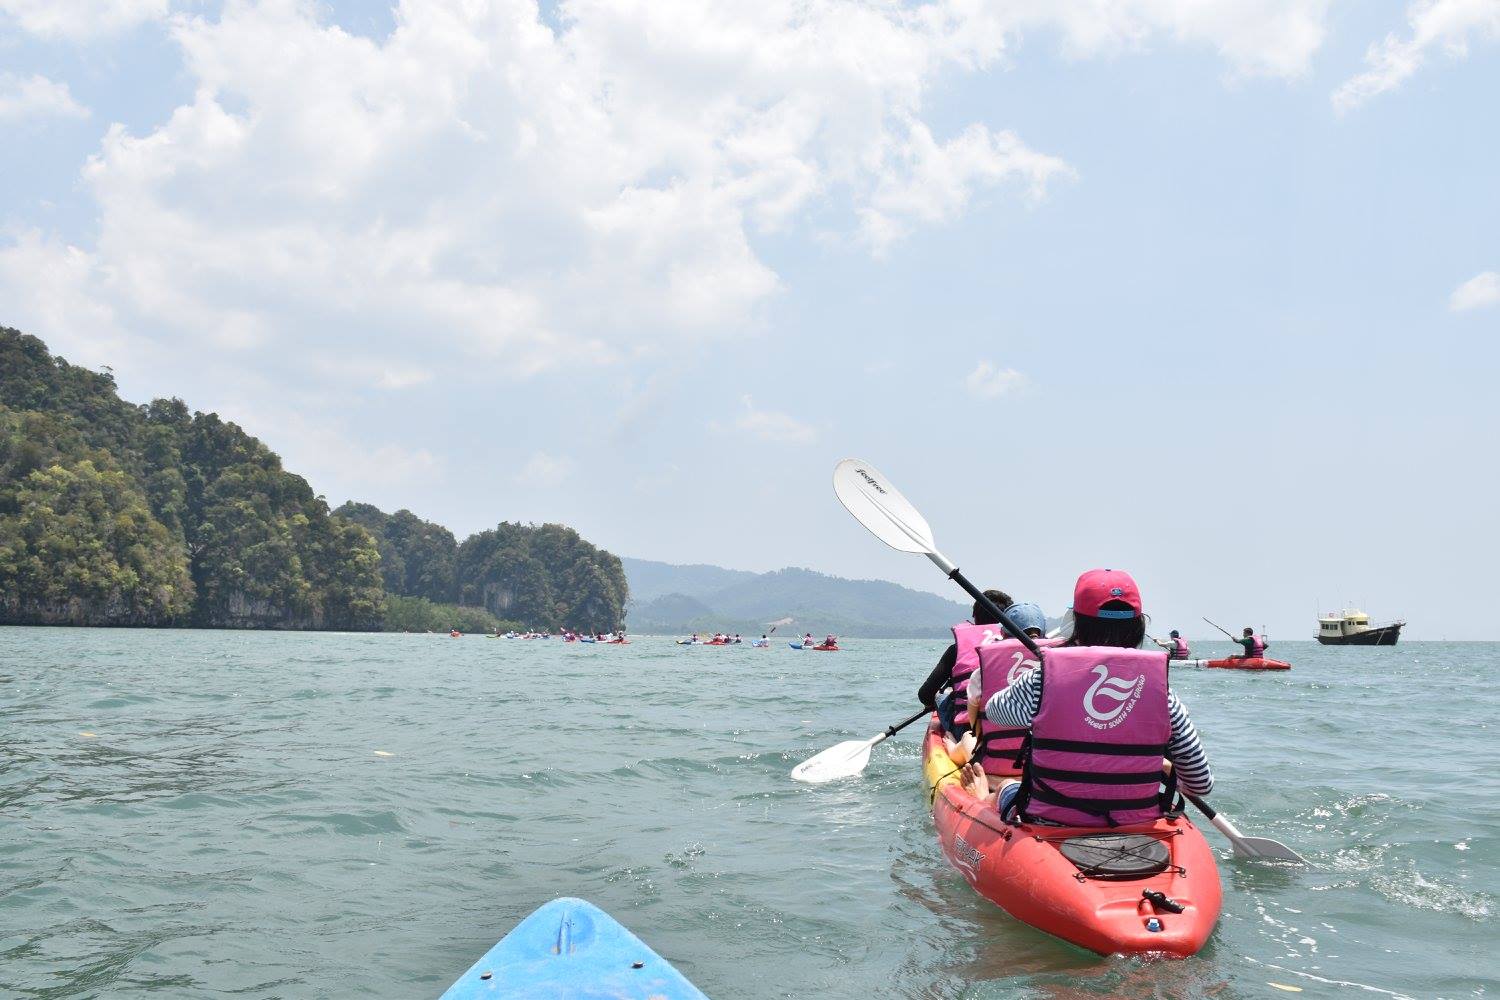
{"points": [[957, 577], [893, 730], [1221, 628]]}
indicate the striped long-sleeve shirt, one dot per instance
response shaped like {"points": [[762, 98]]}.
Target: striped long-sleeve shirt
{"points": [[1018, 704]]}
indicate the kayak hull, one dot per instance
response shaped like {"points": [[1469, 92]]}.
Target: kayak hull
{"points": [[1236, 663], [1021, 869], [570, 949]]}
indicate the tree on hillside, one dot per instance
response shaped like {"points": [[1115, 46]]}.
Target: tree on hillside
{"points": [[417, 558], [82, 534]]}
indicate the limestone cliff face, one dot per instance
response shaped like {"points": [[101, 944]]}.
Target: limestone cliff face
{"points": [[238, 611], [115, 610]]}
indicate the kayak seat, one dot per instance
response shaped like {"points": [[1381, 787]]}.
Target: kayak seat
{"points": [[1116, 856]]}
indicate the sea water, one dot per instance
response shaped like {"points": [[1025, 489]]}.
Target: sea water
{"points": [[206, 814]]}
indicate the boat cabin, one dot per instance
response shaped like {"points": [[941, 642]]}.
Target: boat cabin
{"points": [[1335, 625]]}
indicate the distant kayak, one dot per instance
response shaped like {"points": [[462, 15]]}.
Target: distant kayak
{"points": [[1236, 663], [569, 948]]}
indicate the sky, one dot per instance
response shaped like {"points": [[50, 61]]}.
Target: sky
{"points": [[1205, 291]]}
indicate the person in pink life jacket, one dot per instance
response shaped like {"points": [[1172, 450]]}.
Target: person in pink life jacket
{"points": [[958, 662], [998, 663], [1176, 646], [1255, 645], [1101, 718]]}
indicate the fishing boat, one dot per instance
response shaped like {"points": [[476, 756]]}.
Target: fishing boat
{"points": [[1351, 627], [1141, 889]]}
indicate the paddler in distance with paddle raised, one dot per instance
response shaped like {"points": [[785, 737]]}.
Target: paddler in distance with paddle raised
{"points": [[1104, 714], [1255, 645]]}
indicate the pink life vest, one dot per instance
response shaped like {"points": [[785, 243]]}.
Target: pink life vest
{"points": [[966, 642], [1001, 664], [1179, 648], [1097, 742], [1257, 646]]}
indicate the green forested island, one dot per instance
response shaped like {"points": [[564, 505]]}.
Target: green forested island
{"points": [[118, 514]]}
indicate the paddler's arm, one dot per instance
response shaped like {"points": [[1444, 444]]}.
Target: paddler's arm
{"points": [[941, 677], [1185, 751], [1017, 705]]}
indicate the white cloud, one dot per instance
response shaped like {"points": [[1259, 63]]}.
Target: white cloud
{"points": [[479, 186], [1478, 292], [544, 471], [773, 427], [988, 380], [1444, 23], [80, 20], [929, 182], [36, 96], [405, 378]]}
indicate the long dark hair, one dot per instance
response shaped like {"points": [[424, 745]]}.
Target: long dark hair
{"points": [[982, 615], [1126, 633]]}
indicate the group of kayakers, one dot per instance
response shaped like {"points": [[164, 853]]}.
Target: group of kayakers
{"points": [[1078, 737], [829, 642], [1255, 646], [734, 639], [717, 639]]}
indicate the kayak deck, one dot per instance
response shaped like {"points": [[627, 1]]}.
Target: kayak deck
{"points": [[1235, 663], [569, 949], [1022, 869]]}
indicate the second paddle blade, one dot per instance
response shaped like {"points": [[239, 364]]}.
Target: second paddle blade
{"points": [[841, 761], [880, 507], [1265, 849]]}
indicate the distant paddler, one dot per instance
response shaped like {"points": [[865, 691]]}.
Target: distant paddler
{"points": [[1176, 646], [1255, 645]]}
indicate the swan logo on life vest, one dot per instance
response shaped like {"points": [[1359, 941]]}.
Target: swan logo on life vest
{"points": [[1121, 692], [1019, 664]]}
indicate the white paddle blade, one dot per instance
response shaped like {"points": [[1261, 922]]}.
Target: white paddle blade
{"points": [[842, 761], [1261, 848], [881, 508], [1266, 849]]}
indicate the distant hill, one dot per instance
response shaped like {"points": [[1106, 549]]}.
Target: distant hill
{"points": [[116, 514], [670, 599]]}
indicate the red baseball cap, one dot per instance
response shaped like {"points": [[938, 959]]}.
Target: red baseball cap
{"points": [[1098, 587]]}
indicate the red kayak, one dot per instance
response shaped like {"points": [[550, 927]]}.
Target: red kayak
{"points": [[825, 649], [1235, 663], [1101, 889]]}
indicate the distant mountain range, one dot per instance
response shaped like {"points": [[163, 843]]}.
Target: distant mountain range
{"points": [[666, 598]]}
